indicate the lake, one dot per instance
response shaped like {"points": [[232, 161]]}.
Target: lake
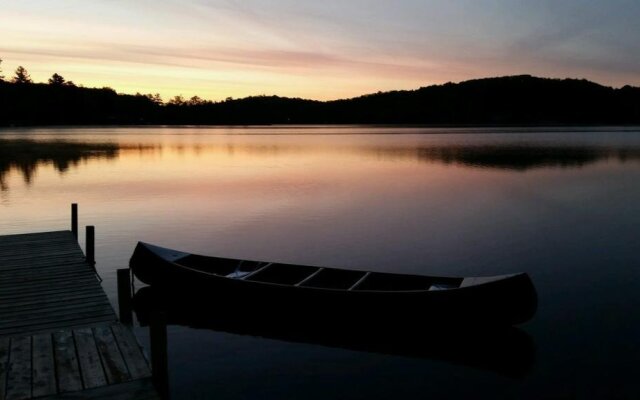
{"points": [[562, 204]]}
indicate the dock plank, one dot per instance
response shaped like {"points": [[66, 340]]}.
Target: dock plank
{"points": [[43, 372], [90, 366], [65, 323], [49, 263], [136, 363], [114, 366], [19, 374], [141, 389], [51, 306], [4, 364], [52, 300], [67, 367]]}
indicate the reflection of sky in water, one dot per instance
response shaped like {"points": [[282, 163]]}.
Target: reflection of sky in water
{"points": [[559, 205], [25, 150]]}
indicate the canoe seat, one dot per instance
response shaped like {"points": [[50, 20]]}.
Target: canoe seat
{"points": [[283, 274], [443, 286], [385, 282], [330, 278]]}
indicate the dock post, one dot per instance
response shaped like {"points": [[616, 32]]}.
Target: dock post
{"points": [[91, 244], [124, 296], [159, 357], [74, 219]]}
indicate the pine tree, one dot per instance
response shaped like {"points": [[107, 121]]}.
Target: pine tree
{"points": [[22, 76], [56, 80]]}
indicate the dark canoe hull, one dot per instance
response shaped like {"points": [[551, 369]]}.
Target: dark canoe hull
{"points": [[508, 350], [506, 301]]}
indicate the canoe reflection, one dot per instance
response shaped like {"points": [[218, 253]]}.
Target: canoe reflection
{"points": [[505, 350]]}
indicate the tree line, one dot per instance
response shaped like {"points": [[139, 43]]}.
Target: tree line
{"points": [[510, 100]]}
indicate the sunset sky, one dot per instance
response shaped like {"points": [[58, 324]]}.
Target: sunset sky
{"points": [[316, 49]]}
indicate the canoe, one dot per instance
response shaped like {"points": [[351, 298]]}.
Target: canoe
{"points": [[505, 350], [285, 290]]}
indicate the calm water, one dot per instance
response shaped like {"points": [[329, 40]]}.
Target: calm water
{"points": [[563, 205]]}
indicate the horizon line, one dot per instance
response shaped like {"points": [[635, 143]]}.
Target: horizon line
{"points": [[231, 98]]}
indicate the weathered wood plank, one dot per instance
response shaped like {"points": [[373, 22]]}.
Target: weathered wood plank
{"points": [[42, 276], [71, 302], [36, 250], [71, 324], [46, 315], [40, 255], [58, 317], [114, 366], [76, 262], [24, 237], [43, 372], [41, 262], [19, 374], [38, 286], [20, 248], [40, 238], [45, 243], [8, 288], [77, 277], [66, 361], [61, 286], [60, 248], [52, 300], [70, 289], [50, 294], [90, 366], [141, 389], [133, 357], [4, 364], [42, 272]]}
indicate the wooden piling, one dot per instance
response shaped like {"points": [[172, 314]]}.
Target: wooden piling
{"points": [[74, 219], [91, 244], [124, 296], [159, 357]]}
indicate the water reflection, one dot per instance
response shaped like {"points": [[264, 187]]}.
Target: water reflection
{"points": [[524, 157], [508, 350], [26, 155]]}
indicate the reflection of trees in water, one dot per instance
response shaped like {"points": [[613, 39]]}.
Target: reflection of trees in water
{"points": [[498, 156], [27, 155], [519, 158]]}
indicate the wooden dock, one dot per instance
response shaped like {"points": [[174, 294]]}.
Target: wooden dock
{"points": [[59, 335]]}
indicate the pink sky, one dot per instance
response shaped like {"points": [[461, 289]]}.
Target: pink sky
{"points": [[319, 50]]}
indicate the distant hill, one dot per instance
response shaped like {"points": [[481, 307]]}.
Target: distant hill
{"points": [[511, 100]]}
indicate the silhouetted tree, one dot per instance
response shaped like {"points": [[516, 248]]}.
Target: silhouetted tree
{"points": [[177, 101], [57, 80], [1, 76], [196, 101], [155, 98], [22, 76], [70, 83]]}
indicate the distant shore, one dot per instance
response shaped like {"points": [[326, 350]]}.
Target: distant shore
{"points": [[513, 101]]}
